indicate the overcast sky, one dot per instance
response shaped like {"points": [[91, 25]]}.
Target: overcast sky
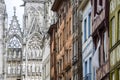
{"points": [[19, 10]]}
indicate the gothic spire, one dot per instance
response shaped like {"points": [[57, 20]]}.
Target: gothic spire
{"points": [[14, 8]]}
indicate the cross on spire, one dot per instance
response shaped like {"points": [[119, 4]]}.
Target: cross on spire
{"points": [[14, 10]]}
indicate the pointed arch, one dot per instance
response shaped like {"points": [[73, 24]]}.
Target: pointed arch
{"points": [[35, 45], [14, 42]]}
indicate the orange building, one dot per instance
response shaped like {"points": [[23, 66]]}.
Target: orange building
{"points": [[51, 32], [63, 39]]}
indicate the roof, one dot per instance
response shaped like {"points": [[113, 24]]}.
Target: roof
{"points": [[53, 26], [56, 4]]}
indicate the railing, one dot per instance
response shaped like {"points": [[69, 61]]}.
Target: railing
{"points": [[88, 76]]}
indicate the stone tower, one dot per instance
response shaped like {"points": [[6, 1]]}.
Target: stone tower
{"points": [[34, 38], [3, 19], [13, 50]]}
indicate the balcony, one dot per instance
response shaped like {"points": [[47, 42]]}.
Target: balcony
{"points": [[88, 76]]}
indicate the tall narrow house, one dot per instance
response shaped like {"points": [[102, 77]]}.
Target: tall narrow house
{"points": [[76, 41], [87, 41], [114, 23], [100, 29], [63, 39]]}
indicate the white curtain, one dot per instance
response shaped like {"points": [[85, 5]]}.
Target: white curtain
{"points": [[95, 59]]}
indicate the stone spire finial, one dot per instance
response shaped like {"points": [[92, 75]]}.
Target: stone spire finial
{"points": [[14, 10]]}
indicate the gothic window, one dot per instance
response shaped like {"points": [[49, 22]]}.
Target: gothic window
{"points": [[36, 47], [14, 43]]}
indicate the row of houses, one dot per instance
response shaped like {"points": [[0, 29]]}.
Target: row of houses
{"points": [[85, 40]]}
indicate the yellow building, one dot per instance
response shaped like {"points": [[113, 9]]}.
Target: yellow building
{"points": [[114, 20]]}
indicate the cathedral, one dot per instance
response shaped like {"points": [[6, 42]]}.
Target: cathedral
{"points": [[25, 51]]}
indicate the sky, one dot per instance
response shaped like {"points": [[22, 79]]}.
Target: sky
{"points": [[19, 10]]}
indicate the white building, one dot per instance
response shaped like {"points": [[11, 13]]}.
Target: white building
{"points": [[87, 41], [3, 27]]}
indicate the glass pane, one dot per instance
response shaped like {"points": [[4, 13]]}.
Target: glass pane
{"points": [[119, 25], [113, 31], [113, 76]]}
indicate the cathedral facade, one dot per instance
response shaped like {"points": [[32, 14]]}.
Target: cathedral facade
{"points": [[25, 50]]}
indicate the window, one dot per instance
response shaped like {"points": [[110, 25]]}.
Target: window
{"points": [[113, 76], [119, 24], [85, 67], [119, 74], [89, 24], [90, 60], [113, 31], [95, 7], [85, 25], [105, 50], [100, 2]]}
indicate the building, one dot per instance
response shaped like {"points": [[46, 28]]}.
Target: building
{"points": [[53, 68], [3, 27], [13, 50], [114, 23], [63, 37], [36, 40], [87, 41], [100, 30], [76, 42]]}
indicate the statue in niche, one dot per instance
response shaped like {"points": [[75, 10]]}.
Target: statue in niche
{"points": [[18, 69], [9, 54], [19, 54], [37, 67], [23, 67], [29, 67], [13, 69], [14, 54], [33, 67], [9, 69], [37, 52], [33, 54]]}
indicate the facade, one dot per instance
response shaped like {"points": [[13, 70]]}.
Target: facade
{"points": [[53, 68], [114, 23], [100, 29], [87, 41], [63, 37], [3, 28], [76, 42], [36, 58], [13, 50]]}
